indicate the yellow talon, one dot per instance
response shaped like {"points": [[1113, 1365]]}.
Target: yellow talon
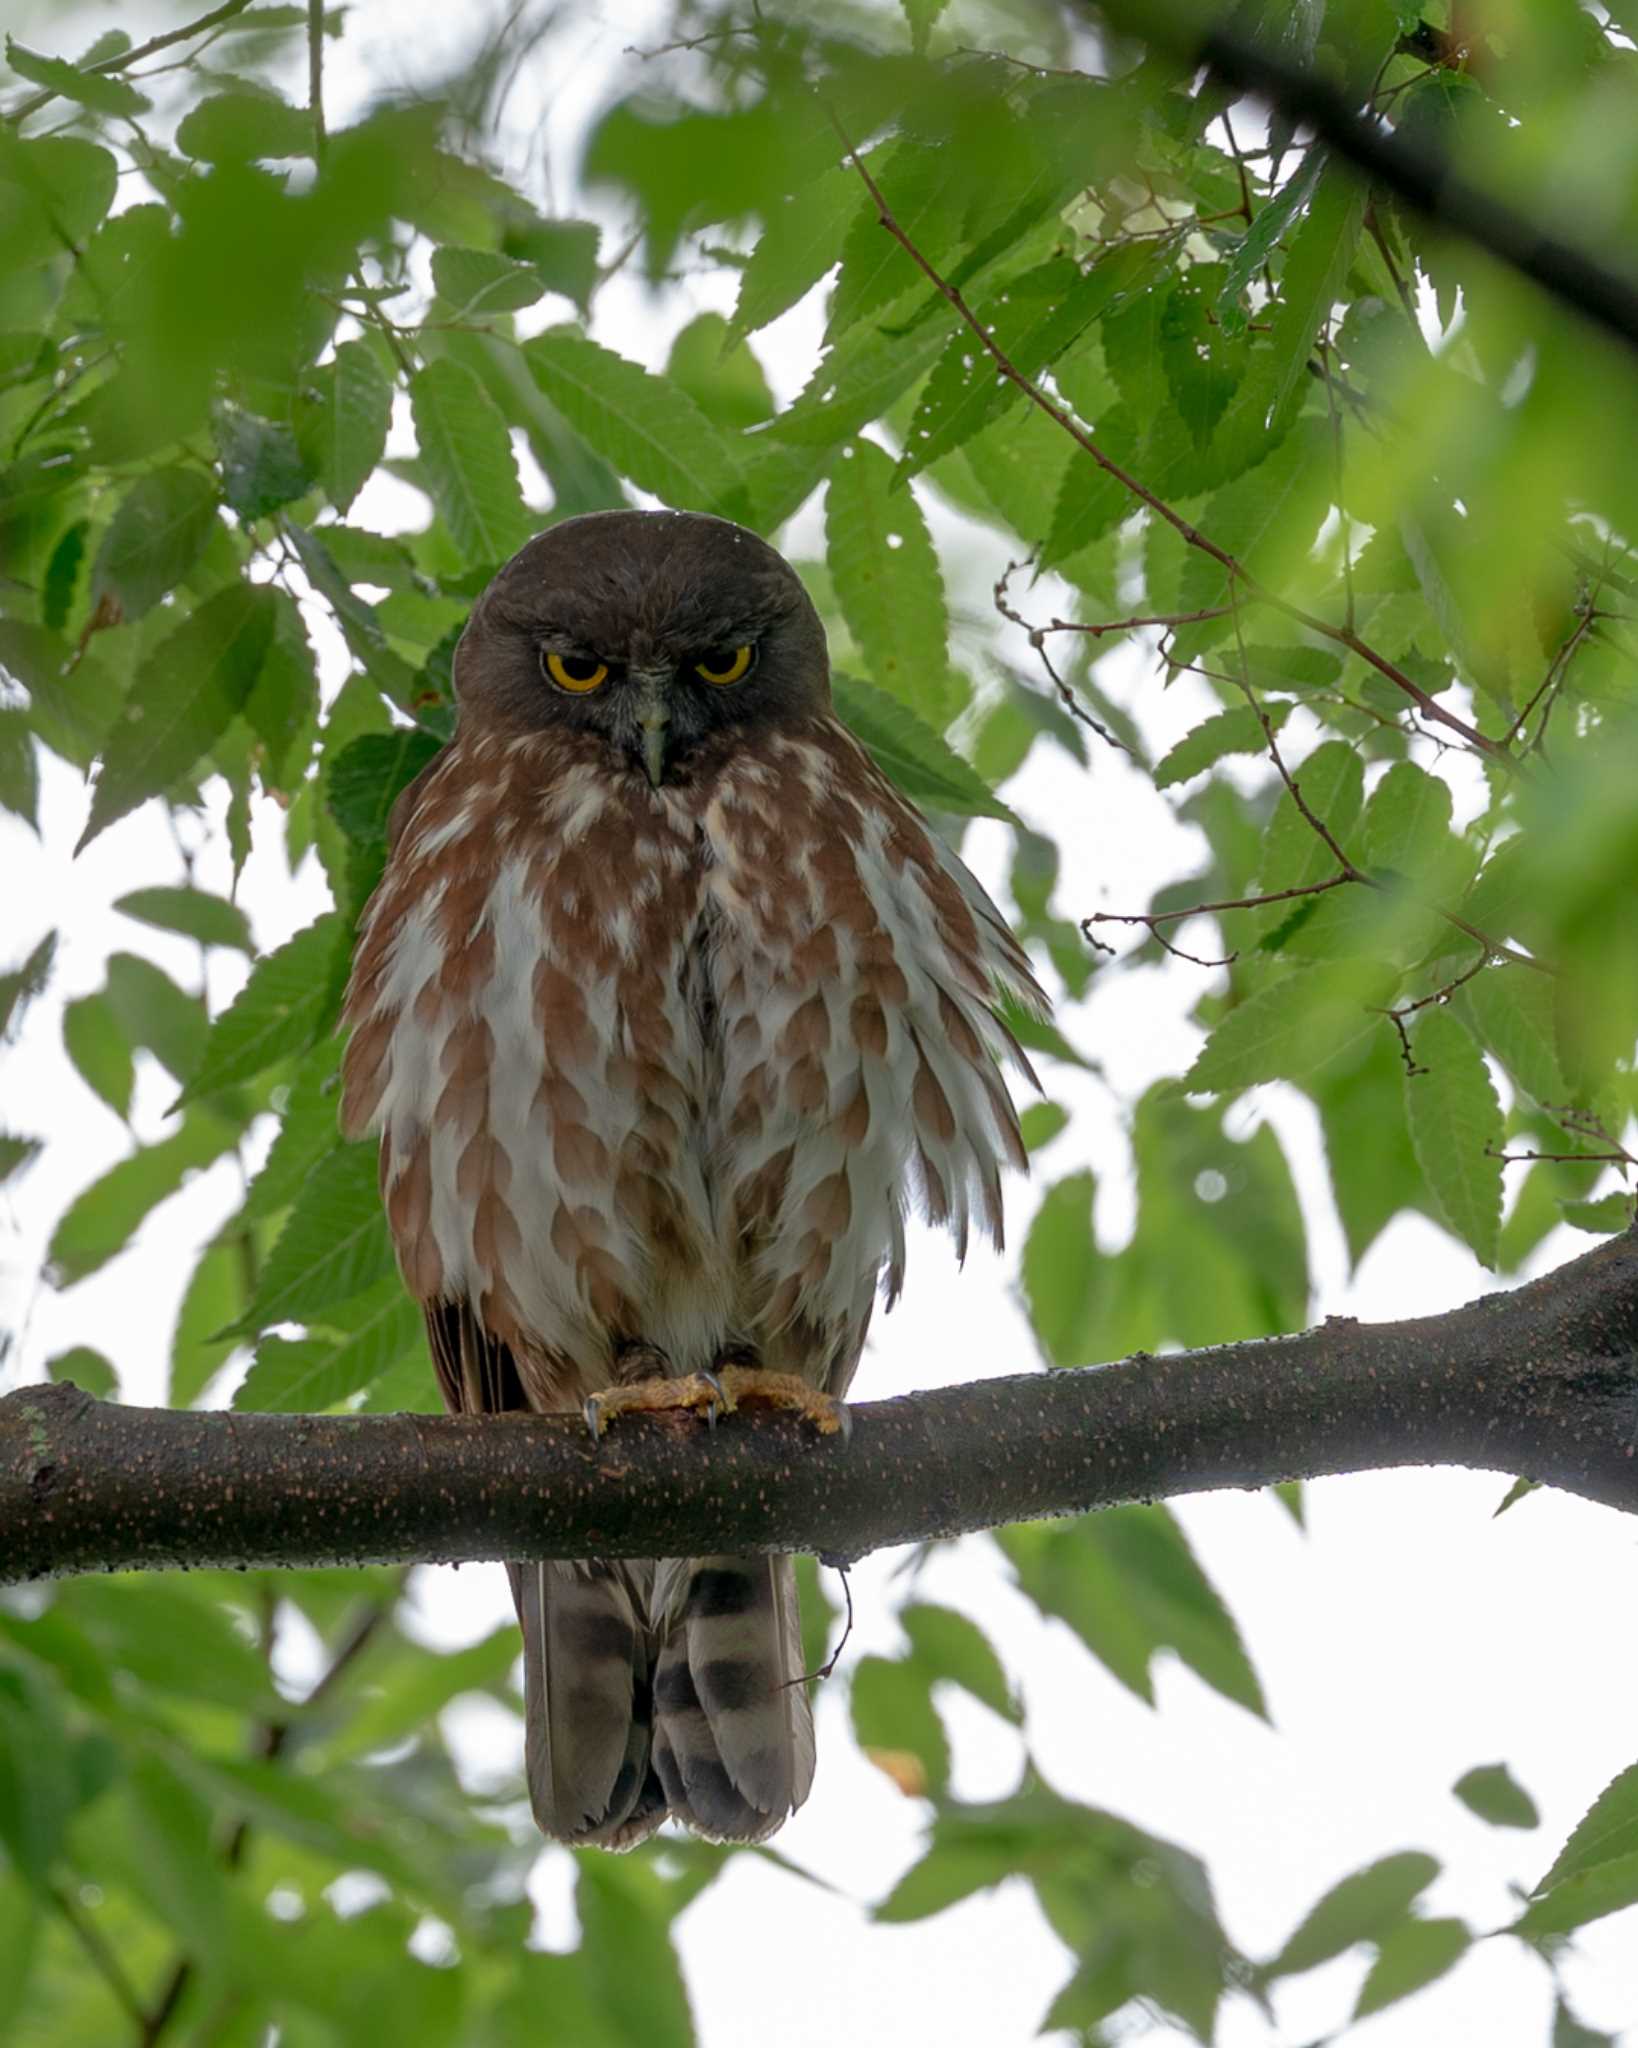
{"points": [[742, 1384]]}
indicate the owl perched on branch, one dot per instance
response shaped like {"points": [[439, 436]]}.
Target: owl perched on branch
{"points": [[667, 1010]]}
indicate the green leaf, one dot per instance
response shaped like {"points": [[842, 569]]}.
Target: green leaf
{"points": [[1607, 1832], [626, 1943], [1041, 1123], [17, 1154], [21, 985], [1316, 266], [84, 1368], [154, 539], [477, 282], [19, 768], [1256, 245], [1366, 1906], [366, 778], [216, 1295], [1495, 1795], [888, 582], [926, 189], [96, 1043], [948, 1645], [1231, 732], [1605, 1887], [1292, 1028], [1129, 1585], [155, 1014], [912, 754], [466, 454], [182, 702], [894, 1718], [194, 913], [291, 996], [37, 1789], [334, 1244], [648, 427], [100, 1222], [262, 464], [803, 240], [343, 431], [1267, 519], [1513, 1012], [1062, 1273], [239, 127], [310, 1373], [1456, 1128], [1414, 1954], [1568, 2032], [100, 91], [1608, 1213]]}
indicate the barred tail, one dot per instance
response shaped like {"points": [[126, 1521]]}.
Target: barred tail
{"points": [[588, 1703], [733, 1734]]}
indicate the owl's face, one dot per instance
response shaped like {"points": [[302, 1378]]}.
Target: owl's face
{"points": [[669, 634]]}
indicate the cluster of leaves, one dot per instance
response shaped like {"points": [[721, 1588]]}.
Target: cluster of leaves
{"points": [[1382, 531]]}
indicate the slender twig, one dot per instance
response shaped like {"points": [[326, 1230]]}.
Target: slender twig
{"points": [[1344, 636], [1071, 702], [1153, 918], [123, 59], [1560, 1158]]}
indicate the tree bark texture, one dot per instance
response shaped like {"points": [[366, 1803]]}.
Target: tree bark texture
{"points": [[1541, 1381]]}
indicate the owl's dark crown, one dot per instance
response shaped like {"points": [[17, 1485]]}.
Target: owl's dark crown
{"points": [[659, 602]]}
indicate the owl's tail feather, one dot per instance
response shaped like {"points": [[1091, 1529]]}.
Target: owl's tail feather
{"points": [[733, 1733], [588, 1704]]}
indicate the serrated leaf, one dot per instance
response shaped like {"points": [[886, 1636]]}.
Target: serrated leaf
{"points": [[307, 1373], [648, 427], [1455, 1120], [857, 380], [1407, 820], [1365, 1906], [100, 1221], [238, 127], [1267, 519], [1413, 1955], [1513, 1011], [182, 702], [343, 434], [154, 539], [478, 282], [888, 582], [801, 241], [1495, 1795], [1231, 732], [1608, 1213], [467, 458], [194, 913], [1606, 1833], [291, 996], [333, 1246], [1316, 267], [911, 754], [1292, 1028], [366, 778], [155, 1014], [1256, 245], [101, 91]]}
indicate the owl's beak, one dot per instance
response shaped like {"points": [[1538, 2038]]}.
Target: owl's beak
{"points": [[653, 717]]}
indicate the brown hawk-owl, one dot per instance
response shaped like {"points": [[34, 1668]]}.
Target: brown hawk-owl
{"points": [[667, 1009]]}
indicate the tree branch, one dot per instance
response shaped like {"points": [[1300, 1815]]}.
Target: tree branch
{"points": [[1423, 178], [1541, 1381]]}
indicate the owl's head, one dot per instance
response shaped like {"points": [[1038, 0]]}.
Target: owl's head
{"points": [[663, 632]]}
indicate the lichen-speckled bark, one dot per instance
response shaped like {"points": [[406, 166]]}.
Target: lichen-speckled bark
{"points": [[1541, 1381]]}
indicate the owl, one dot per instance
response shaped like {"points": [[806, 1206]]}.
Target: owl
{"points": [[668, 1010]]}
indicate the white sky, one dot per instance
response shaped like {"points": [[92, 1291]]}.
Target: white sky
{"points": [[1405, 1637]]}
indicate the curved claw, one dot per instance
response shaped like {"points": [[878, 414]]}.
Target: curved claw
{"points": [[719, 1403], [592, 1410]]}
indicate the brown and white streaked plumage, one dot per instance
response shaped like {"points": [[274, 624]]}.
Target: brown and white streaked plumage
{"points": [[667, 1010]]}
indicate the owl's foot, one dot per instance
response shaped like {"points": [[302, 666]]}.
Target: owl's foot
{"points": [[753, 1386], [701, 1392]]}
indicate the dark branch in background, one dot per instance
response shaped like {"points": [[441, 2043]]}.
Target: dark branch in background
{"points": [[1542, 1381], [1423, 178]]}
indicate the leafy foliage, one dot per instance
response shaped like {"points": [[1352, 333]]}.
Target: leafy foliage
{"points": [[1381, 556]]}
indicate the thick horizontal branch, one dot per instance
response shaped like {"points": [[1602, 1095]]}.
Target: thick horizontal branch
{"points": [[1542, 1381], [1417, 174]]}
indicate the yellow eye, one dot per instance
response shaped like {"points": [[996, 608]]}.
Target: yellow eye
{"points": [[575, 672], [725, 665]]}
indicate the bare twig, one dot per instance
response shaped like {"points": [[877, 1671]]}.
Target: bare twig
{"points": [[123, 59], [1344, 636]]}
